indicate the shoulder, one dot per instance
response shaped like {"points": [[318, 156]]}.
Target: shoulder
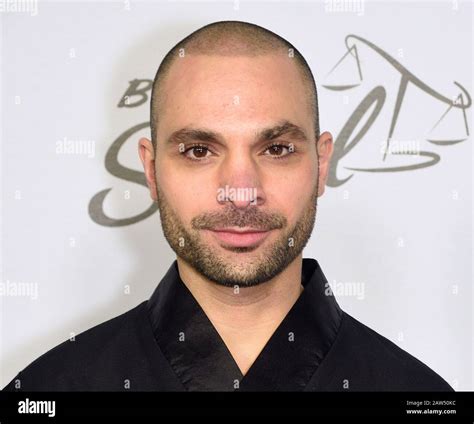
{"points": [[374, 363], [83, 361]]}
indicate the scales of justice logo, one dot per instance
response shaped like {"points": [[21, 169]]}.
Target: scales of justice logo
{"points": [[453, 118]]}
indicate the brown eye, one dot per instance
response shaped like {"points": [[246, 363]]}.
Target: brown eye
{"points": [[197, 152], [278, 150]]}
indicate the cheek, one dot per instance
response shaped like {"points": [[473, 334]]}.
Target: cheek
{"points": [[290, 192], [290, 200], [189, 195]]}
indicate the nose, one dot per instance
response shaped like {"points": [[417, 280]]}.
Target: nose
{"points": [[240, 181]]}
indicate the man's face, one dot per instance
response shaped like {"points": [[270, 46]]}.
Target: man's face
{"points": [[228, 176]]}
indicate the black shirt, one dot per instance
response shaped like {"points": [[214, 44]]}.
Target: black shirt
{"points": [[168, 344]]}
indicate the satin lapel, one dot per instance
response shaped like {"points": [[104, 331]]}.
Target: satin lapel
{"points": [[302, 340], [189, 341], [200, 359]]}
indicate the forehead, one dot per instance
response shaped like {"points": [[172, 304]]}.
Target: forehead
{"points": [[225, 89]]}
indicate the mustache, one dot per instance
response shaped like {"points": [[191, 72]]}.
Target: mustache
{"points": [[252, 217]]}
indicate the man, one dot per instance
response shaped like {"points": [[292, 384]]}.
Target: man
{"points": [[236, 163]]}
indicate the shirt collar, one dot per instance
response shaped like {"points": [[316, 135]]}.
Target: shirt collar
{"points": [[201, 360]]}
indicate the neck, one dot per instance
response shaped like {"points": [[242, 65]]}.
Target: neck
{"points": [[245, 318]]}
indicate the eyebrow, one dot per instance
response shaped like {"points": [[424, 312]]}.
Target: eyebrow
{"points": [[283, 128]]}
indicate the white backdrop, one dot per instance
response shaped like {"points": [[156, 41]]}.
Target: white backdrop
{"points": [[396, 246]]}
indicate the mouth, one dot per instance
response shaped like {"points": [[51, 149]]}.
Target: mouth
{"points": [[240, 237]]}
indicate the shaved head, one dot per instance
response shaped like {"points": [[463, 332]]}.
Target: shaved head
{"points": [[231, 38]]}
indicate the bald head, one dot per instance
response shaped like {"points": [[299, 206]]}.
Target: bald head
{"points": [[232, 38]]}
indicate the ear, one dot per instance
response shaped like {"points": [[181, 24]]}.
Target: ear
{"points": [[147, 156], [325, 147]]}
